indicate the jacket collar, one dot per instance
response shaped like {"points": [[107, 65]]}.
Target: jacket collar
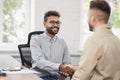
{"points": [[102, 27]]}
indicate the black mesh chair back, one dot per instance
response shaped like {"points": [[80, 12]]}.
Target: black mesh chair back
{"points": [[24, 50], [25, 55], [33, 34]]}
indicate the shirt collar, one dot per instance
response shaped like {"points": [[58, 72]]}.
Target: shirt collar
{"points": [[49, 38]]}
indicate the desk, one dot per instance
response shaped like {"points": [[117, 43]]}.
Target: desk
{"points": [[8, 62], [29, 76]]}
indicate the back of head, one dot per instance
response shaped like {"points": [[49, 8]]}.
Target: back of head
{"points": [[102, 8]]}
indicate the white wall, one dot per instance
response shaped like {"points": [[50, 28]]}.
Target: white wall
{"points": [[70, 18]]}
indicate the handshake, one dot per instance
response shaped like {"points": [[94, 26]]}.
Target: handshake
{"points": [[66, 70]]}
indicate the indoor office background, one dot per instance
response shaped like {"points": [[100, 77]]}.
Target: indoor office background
{"points": [[19, 17]]}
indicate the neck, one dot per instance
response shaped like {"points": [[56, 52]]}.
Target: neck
{"points": [[98, 24], [50, 35]]}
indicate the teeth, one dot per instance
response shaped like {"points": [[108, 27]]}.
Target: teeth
{"points": [[54, 28]]}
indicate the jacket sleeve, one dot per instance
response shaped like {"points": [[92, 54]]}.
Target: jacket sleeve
{"points": [[88, 61]]}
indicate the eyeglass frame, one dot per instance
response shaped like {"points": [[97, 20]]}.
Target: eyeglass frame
{"points": [[55, 22]]}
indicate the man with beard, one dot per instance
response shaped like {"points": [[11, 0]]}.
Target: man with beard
{"points": [[101, 53], [49, 52]]}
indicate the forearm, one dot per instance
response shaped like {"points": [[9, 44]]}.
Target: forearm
{"points": [[52, 68]]}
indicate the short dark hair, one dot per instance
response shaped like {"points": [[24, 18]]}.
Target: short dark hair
{"points": [[51, 13], [101, 5]]}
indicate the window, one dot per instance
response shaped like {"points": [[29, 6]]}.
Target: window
{"points": [[115, 19], [14, 22]]}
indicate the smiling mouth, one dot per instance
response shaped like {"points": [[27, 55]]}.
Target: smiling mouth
{"points": [[54, 28]]}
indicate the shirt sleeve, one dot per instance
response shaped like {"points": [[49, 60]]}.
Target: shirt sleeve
{"points": [[88, 61], [66, 56], [39, 60]]}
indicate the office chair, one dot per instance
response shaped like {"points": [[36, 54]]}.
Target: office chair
{"points": [[24, 50]]}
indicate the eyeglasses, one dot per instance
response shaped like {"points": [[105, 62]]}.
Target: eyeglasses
{"points": [[55, 22]]}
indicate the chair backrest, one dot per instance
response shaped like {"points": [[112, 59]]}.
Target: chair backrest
{"points": [[33, 33], [25, 55], [24, 50]]}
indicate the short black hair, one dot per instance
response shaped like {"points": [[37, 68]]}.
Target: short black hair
{"points": [[101, 5], [51, 13]]}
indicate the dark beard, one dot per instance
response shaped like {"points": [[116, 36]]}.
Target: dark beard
{"points": [[50, 31], [90, 27]]}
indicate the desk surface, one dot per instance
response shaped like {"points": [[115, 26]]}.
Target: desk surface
{"points": [[6, 62], [29, 76]]}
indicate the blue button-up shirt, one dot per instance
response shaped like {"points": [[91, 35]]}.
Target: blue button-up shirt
{"points": [[48, 53]]}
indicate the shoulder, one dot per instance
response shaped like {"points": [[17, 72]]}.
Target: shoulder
{"points": [[61, 39], [62, 42], [92, 41], [37, 37]]}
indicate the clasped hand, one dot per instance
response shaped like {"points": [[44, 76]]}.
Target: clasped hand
{"points": [[66, 70]]}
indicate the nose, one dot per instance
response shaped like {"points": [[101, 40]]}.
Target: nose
{"points": [[56, 24]]}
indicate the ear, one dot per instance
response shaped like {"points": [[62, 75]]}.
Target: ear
{"points": [[93, 18], [44, 23]]}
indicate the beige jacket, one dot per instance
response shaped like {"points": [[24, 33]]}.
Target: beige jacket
{"points": [[101, 57]]}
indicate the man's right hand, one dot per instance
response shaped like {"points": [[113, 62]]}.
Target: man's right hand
{"points": [[66, 70]]}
